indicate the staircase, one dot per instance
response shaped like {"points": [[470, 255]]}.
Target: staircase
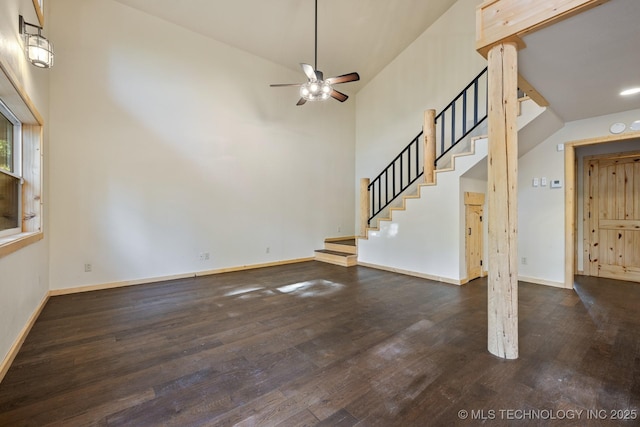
{"points": [[400, 204], [423, 233], [453, 129], [339, 251]]}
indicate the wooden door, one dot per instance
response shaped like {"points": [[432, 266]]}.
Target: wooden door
{"points": [[612, 216], [473, 242]]}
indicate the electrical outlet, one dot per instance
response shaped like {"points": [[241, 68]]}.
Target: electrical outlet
{"points": [[524, 260], [339, 229], [204, 256], [88, 268], [268, 249]]}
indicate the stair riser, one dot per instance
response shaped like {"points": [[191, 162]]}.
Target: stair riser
{"points": [[341, 248], [344, 261]]}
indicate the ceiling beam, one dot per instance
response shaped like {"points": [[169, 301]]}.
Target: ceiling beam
{"points": [[499, 21], [531, 92]]}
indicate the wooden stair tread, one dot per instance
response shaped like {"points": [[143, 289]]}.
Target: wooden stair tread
{"points": [[347, 242], [330, 252]]}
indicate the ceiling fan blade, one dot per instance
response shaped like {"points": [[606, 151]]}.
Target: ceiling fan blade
{"points": [[345, 78], [338, 95], [309, 72], [302, 101], [286, 84]]}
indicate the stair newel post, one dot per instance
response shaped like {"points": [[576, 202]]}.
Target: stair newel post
{"points": [[364, 206], [429, 146]]}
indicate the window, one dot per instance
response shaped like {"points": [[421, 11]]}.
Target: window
{"points": [[10, 172], [21, 143]]}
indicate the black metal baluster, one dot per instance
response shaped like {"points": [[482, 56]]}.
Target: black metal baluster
{"points": [[453, 123], [408, 166], [393, 176], [464, 113], [386, 186], [475, 101], [417, 157], [442, 132], [401, 169]]}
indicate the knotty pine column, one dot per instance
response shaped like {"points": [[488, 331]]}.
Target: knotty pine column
{"points": [[429, 131], [502, 201]]}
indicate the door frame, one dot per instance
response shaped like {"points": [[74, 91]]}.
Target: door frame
{"points": [[571, 202]]}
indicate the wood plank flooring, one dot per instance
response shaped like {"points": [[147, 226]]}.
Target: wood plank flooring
{"points": [[317, 344]]}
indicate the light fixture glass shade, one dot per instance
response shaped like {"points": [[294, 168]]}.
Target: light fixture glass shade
{"points": [[315, 91], [39, 51]]}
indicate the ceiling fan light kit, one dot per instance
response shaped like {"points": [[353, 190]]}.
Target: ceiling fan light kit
{"points": [[314, 91], [316, 88]]}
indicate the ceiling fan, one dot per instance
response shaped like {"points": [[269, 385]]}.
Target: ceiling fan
{"points": [[317, 88]]}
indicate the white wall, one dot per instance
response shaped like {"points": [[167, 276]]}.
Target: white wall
{"points": [[541, 210], [427, 239], [428, 74], [168, 144], [541, 216], [23, 274]]}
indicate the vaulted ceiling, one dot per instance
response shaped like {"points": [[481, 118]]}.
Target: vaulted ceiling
{"points": [[353, 35], [579, 65]]}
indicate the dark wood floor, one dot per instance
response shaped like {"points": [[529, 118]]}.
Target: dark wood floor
{"points": [[317, 344]]}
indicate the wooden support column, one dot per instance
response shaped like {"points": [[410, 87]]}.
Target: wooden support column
{"points": [[364, 206], [502, 201], [429, 131]]}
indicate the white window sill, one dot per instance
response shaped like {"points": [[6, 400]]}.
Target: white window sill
{"points": [[15, 242]]}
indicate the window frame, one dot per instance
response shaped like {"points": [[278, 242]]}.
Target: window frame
{"points": [[30, 163], [16, 160], [16, 153]]}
